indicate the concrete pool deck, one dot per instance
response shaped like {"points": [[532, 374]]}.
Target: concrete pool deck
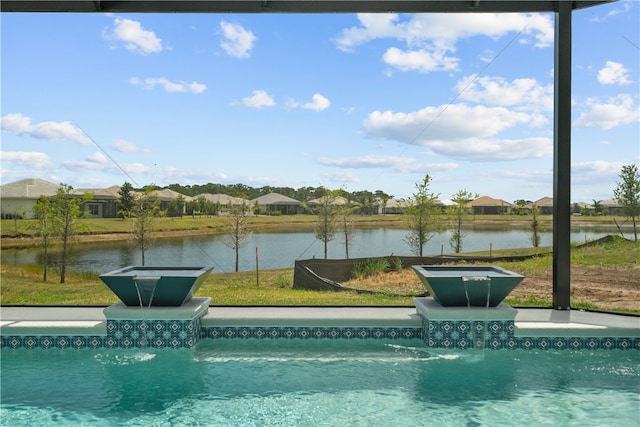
{"points": [[29, 320]]}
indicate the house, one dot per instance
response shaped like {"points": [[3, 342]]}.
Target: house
{"points": [[275, 202], [611, 207], [394, 206], [337, 201], [103, 204], [445, 204], [544, 205], [486, 205], [17, 199], [222, 202], [222, 199]]}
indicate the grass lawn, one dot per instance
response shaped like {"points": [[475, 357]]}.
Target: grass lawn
{"points": [[24, 285]]}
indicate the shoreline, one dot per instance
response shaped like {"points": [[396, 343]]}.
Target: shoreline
{"points": [[216, 225]]}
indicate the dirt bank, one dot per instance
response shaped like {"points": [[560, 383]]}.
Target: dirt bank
{"points": [[604, 287], [607, 287]]}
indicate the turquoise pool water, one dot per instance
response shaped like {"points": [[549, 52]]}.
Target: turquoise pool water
{"points": [[319, 383]]}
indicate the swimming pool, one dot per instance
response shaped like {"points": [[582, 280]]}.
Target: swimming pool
{"points": [[251, 382]]}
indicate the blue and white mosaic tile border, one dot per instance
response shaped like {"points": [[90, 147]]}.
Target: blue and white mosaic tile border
{"points": [[120, 334], [310, 332], [493, 334], [499, 334]]}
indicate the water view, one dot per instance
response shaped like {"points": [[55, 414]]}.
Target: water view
{"points": [[280, 250]]}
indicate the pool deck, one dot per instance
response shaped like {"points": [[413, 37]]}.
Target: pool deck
{"points": [[24, 320]]}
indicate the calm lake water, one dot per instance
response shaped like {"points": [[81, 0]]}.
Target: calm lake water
{"points": [[280, 250]]}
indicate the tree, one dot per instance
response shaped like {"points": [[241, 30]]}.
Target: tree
{"points": [[458, 212], [627, 193], [145, 210], [345, 220], [126, 200], [176, 207], [66, 209], [43, 211], [326, 224], [597, 207], [536, 229], [237, 234], [420, 217], [520, 204], [384, 199]]}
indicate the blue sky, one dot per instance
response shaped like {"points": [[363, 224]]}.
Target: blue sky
{"points": [[360, 102]]}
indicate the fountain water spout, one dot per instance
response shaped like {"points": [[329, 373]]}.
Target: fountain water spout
{"points": [[479, 341], [146, 288]]}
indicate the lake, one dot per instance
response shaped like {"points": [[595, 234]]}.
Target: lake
{"points": [[280, 250]]}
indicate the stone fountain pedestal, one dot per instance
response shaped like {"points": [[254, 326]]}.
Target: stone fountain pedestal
{"points": [[465, 327], [155, 326]]}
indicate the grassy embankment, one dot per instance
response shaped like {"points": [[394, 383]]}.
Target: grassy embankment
{"points": [[24, 285]]}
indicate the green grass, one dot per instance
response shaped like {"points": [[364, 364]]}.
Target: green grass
{"points": [[24, 285]]}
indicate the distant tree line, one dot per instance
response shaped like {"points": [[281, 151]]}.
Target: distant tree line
{"points": [[303, 194]]}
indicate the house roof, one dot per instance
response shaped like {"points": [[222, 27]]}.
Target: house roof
{"points": [[112, 192], [31, 188], [488, 201], [610, 203], [397, 203], [545, 201], [167, 194], [274, 199], [223, 199], [336, 201], [445, 203]]}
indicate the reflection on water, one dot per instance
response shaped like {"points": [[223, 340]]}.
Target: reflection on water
{"points": [[280, 250]]}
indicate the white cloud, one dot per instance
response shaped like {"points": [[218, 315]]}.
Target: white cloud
{"points": [[97, 157], [593, 174], [29, 159], [420, 60], [49, 131], [494, 149], [136, 168], [169, 86], [616, 111], [626, 6], [81, 165], [613, 73], [598, 168], [124, 146], [318, 103], [341, 177], [400, 164], [460, 131], [259, 99], [135, 38], [237, 41], [526, 93], [452, 121], [429, 38]]}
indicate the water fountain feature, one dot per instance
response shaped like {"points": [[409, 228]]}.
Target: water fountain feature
{"points": [[465, 309], [157, 307]]}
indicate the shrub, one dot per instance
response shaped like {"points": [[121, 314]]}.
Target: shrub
{"points": [[369, 267]]}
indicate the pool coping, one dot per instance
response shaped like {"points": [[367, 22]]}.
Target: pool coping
{"points": [[27, 320]]}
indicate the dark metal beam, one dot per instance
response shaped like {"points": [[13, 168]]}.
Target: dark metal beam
{"points": [[293, 6], [562, 159]]}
